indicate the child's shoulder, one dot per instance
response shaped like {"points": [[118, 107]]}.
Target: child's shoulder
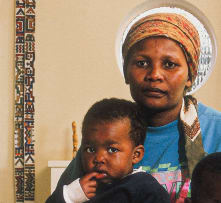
{"points": [[141, 179], [146, 186]]}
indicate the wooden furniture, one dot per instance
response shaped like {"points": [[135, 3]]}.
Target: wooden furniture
{"points": [[58, 167]]}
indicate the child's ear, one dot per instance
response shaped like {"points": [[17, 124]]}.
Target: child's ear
{"points": [[138, 154]]}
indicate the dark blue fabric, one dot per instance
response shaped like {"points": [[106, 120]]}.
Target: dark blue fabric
{"points": [[137, 188]]}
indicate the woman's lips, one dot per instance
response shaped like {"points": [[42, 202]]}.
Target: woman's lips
{"points": [[154, 92]]}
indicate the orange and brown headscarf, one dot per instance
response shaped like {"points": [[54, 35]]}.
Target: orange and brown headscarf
{"points": [[171, 25]]}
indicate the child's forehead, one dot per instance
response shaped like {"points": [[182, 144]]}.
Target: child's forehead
{"points": [[211, 182], [110, 120], [108, 130], [210, 173], [98, 123]]}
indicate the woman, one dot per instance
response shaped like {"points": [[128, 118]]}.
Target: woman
{"points": [[161, 53]]}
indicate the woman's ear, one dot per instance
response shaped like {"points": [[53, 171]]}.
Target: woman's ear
{"points": [[126, 80], [125, 75], [188, 83], [138, 154], [189, 79]]}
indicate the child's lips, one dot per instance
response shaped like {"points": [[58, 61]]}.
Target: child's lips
{"points": [[101, 175]]}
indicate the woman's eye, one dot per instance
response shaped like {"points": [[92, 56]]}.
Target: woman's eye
{"points": [[170, 65], [142, 63], [112, 150], [90, 149]]}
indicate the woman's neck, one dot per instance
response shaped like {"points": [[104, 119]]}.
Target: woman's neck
{"points": [[160, 117]]}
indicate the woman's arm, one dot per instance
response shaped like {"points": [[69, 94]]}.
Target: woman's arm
{"points": [[71, 173]]}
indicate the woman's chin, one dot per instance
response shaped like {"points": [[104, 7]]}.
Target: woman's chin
{"points": [[154, 104]]}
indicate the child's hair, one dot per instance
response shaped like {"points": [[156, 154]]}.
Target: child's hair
{"points": [[108, 110], [210, 163]]}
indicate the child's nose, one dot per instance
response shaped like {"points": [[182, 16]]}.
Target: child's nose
{"points": [[99, 157]]}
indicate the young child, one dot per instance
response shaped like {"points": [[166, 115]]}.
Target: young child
{"points": [[112, 142], [206, 180]]}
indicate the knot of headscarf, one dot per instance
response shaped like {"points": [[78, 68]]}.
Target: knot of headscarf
{"points": [[169, 25], [191, 133]]}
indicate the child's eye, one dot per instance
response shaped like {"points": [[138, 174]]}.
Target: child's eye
{"points": [[90, 149], [112, 150]]}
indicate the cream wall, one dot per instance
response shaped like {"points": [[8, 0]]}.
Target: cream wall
{"points": [[75, 66]]}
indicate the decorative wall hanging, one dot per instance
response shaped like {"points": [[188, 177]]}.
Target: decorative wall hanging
{"points": [[24, 162]]}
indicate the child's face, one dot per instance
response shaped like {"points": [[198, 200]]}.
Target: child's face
{"points": [[210, 191], [108, 149]]}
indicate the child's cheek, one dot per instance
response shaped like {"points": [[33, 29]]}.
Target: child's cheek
{"points": [[87, 162]]}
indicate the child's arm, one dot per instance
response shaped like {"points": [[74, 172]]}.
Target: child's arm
{"points": [[73, 193], [71, 173], [81, 189]]}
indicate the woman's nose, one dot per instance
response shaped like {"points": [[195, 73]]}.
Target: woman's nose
{"points": [[154, 73]]}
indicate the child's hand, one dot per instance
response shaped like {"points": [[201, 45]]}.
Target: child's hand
{"points": [[89, 184]]}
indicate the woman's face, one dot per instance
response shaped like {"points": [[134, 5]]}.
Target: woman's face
{"points": [[157, 73]]}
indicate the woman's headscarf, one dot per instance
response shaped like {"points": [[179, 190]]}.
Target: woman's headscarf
{"points": [[173, 26]]}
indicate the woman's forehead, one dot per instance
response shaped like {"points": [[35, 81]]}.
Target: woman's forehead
{"points": [[166, 46], [156, 41]]}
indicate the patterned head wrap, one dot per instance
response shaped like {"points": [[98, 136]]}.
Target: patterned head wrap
{"points": [[173, 26]]}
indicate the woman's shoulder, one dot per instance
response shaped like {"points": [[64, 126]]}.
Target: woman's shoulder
{"points": [[210, 124], [210, 121], [208, 112]]}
